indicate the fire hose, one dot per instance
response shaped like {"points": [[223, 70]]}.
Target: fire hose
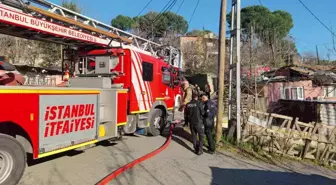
{"points": [[130, 165]]}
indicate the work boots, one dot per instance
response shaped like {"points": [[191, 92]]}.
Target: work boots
{"points": [[200, 152]]}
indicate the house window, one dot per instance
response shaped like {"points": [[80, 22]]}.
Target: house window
{"points": [[293, 93], [287, 94], [329, 91], [147, 71], [300, 93]]}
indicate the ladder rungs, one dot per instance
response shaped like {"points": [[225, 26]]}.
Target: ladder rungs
{"points": [[70, 21]]}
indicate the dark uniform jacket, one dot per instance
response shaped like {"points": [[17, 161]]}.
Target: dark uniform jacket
{"points": [[193, 114], [210, 113]]}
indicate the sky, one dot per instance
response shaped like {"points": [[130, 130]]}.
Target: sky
{"points": [[307, 31]]}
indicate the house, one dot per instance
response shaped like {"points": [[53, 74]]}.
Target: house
{"points": [[299, 82], [255, 71], [197, 48]]}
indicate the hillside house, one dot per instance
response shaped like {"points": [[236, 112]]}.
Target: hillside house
{"points": [[300, 83]]}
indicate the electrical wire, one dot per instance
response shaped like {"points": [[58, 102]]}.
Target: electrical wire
{"points": [[180, 6], [319, 20], [260, 3], [144, 7], [165, 9], [192, 16]]}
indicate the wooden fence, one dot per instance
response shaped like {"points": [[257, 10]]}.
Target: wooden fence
{"points": [[285, 135]]}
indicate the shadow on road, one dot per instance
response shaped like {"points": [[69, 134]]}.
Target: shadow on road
{"points": [[32, 162], [130, 175], [71, 153], [222, 176], [182, 143], [178, 133]]}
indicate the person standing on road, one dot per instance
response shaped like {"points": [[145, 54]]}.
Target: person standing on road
{"points": [[193, 116], [207, 89], [209, 121], [187, 94]]}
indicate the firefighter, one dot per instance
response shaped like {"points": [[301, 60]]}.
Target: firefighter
{"points": [[210, 111], [187, 94], [193, 115]]}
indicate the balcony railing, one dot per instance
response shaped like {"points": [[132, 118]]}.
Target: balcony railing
{"points": [[40, 80]]}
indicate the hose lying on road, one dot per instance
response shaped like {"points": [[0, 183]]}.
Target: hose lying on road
{"points": [[119, 171]]}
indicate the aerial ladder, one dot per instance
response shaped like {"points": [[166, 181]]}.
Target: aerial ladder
{"points": [[46, 21], [112, 106]]}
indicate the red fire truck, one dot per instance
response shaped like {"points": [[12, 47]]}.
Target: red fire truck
{"points": [[120, 83]]}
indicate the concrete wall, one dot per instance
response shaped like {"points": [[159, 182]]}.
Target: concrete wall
{"points": [[328, 114]]}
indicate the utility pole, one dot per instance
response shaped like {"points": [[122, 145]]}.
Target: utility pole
{"points": [[221, 64], [235, 36], [251, 61], [317, 55], [238, 111]]}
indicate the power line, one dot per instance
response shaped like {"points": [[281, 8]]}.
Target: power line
{"points": [[144, 7], [260, 3], [312, 45], [168, 6], [180, 6], [165, 9], [317, 18], [192, 16]]}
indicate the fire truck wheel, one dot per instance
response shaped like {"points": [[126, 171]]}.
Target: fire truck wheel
{"points": [[156, 123], [12, 160]]}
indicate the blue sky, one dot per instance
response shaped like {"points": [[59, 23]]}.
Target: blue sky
{"points": [[307, 31]]}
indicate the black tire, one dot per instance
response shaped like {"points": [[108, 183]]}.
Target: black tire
{"points": [[11, 147], [153, 130]]}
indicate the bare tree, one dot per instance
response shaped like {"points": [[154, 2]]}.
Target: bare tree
{"points": [[200, 56], [19, 51], [309, 57]]}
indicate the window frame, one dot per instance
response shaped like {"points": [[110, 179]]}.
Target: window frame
{"points": [[288, 92], [331, 93], [164, 81]]}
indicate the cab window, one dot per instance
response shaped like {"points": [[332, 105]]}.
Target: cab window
{"points": [[147, 71]]}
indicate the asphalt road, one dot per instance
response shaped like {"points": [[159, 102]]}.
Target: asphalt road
{"points": [[174, 166]]}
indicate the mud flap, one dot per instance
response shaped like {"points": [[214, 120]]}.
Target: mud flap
{"points": [[131, 125]]}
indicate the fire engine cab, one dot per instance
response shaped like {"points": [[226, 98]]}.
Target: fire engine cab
{"points": [[119, 83]]}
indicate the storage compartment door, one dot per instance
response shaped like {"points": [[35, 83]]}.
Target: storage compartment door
{"points": [[67, 120]]}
